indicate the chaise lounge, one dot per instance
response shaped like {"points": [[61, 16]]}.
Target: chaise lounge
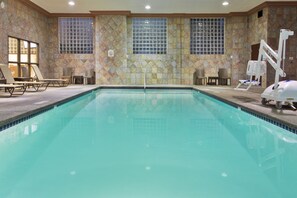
{"points": [[10, 80], [59, 82], [11, 89]]}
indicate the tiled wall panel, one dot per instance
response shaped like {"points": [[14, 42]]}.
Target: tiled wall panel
{"points": [[111, 34], [159, 69], [20, 21], [81, 64], [283, 18], [126, 68], [258, 30]]}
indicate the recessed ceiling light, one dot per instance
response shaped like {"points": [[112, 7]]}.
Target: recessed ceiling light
{"points": [[147, 7], [225, 3], [71, 3]]}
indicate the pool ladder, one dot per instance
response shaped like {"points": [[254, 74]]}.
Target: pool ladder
{"points": [[144, 80]]}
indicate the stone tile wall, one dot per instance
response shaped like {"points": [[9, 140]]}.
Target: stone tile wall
{"points": [[159, 69], [210, 63], [18, 20], [257, 27], [257, 30], [81, 64], [178, 65], [111, 34], [126, 68], [234, 59], [268, 28], [237, 47], [283, 18]]}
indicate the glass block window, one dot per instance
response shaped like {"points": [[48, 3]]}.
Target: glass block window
{"points": [[13, 45], [207, 35], [149, 35], [76, 35]]}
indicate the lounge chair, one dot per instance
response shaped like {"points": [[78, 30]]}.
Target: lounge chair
{"points": [[10, 81], [59, 82], [11, 88]]}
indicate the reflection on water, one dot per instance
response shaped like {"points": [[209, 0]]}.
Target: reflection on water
{"points": [[21, 131], [168, 143], [272, 148]]}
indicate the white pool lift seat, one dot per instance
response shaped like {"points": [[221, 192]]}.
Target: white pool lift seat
{"points": [[252, 70]]}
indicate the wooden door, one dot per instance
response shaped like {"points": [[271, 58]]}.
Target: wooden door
{"points": [[255, 51], [254, 55]]}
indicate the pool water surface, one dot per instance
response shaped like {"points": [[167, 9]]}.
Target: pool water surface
{"points": [[114, 143]]}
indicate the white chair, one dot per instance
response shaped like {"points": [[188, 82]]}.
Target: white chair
{"points": [[252, 70]]}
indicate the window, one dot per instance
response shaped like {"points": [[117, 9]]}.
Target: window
{"points": [[21, 55], [76, 35], [207, 36], [149, 35]]}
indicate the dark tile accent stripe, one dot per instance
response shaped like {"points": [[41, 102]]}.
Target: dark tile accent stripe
{"points": [[272, 121], [18, 121], [267, 118], [42, 110], [147, 87]]}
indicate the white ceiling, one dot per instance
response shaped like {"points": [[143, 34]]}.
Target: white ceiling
{"points": [[158, 6]]}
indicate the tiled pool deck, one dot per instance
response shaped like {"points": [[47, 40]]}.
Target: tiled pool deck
{"points": [[18, 108], [250, 101]]}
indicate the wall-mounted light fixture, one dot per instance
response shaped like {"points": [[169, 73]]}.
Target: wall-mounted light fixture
{"points": [[2, 4], [147, 7], [225, 3], [71, 3]]}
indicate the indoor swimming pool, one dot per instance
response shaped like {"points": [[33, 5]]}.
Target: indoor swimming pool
{"points": [[131, 143]]}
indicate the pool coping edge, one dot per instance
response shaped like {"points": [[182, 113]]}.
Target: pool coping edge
{"points": [[4, 124], [275, 121]]}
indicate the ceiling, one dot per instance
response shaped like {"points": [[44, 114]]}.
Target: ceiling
{"points": [[158, 6]]}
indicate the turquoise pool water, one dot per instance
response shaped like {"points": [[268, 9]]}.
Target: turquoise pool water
{"points": [[158, 144]]}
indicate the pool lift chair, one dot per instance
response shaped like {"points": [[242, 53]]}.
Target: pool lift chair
{"points": [[282, 92], [255, 70]]}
